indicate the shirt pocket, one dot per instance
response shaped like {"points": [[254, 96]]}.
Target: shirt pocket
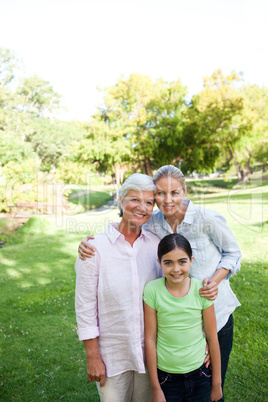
{"points": [[200, 249]]}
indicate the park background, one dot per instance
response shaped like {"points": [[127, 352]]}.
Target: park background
{"points": [[181, 84]]}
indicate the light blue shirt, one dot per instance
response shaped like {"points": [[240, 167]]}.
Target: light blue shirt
{"points": [[214, 247]]}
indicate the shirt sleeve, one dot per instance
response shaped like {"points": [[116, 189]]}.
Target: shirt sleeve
{"points": [[206, 303], [149, 296], [223, 238], [87, 275]]}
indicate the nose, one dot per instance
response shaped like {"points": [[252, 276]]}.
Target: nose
{"points": [[142, 206], [168, 198], [177, 268]]}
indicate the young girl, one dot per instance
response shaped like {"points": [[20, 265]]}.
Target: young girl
{"points": [[174, 340]]}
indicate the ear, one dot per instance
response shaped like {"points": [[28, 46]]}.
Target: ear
{"points": [[185, 191], [159, 262], [192, 259]]}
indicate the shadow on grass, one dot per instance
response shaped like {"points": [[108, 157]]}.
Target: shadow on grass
{"points": [[41, 357]]}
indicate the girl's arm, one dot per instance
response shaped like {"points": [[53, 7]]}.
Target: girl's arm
{"points": [[214, 350], [150, 321]]}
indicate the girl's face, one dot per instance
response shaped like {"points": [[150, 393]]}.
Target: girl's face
{"points": [[137, 207], [169, 196], [176, 265]]}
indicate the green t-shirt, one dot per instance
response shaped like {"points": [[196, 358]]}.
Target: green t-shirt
{"points": [[181, 343]]}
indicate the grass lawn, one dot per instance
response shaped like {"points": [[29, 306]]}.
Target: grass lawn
{"points": [[87, 199], [41, 357]]}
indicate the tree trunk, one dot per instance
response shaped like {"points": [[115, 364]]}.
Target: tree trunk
{"points": [[243, 174], [147, 166], [175, 160], [247, 172], [119, 174]]}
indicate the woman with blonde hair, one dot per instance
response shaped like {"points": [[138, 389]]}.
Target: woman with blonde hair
{"points": [[216, 253]]}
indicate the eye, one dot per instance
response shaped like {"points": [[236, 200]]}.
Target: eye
{"points": [[160, 192], [149, 202], [167, 263]]}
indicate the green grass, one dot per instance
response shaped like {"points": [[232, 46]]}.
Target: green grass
{"points": [[41, 357], [90, 200], [7, 229], [221, 183]]}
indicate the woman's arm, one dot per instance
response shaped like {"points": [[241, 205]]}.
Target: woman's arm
{"points": [[223, 238], [215, 358], [150, 321], [210, 288], [85, 249], [95, 365], [86, 307]]}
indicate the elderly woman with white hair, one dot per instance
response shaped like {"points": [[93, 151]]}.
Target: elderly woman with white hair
{"points": [[216, 253], [108, 298]]}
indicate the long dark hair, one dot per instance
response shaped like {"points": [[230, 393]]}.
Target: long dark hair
{"points": [[171, 242]]}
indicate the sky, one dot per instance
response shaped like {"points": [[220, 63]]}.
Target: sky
{"points": [[82, 45]]}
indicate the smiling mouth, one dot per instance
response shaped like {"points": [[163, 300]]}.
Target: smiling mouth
{"points": [[176, 276], [139, 215]]}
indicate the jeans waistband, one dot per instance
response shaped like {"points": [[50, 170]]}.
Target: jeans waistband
{"points": [[179, 375]]}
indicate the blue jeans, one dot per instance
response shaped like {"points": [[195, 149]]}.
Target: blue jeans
{"points": [[225, 337], [191, 387]]}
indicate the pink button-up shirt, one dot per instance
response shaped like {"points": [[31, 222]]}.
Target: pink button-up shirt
{"points": [[108, 297]]}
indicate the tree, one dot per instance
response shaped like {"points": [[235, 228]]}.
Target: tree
{"points": [[125, 112], [160, 140], [15, 151], [215, 123], [51, 140], [37, 97], [252, 147], [138, 125], [103, 147], [8, 100]]}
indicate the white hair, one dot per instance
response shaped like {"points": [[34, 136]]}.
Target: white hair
{"points": [[170, 171], [136, 182]]}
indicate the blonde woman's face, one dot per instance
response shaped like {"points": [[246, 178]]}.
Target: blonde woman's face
{"points": [[169, 196]]}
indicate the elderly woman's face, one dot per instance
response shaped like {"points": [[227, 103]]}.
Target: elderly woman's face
{"points": [[137, 207]]}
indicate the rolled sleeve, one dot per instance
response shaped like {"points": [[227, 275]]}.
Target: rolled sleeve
{"points": [[223, 238], [86, 298]]}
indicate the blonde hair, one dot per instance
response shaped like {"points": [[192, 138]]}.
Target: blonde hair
{"points": [[170, 171]]}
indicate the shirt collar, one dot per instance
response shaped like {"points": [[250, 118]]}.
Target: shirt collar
{"points": [[113, 234], [190, 212], [145, 233], [188, 217]]}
